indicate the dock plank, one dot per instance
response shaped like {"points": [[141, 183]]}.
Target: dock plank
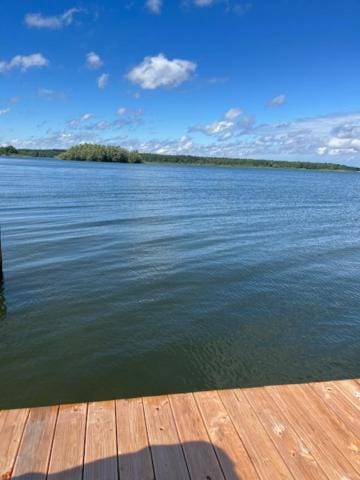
{"points": [[100, 443], [135, 460], [343, 408], [167, 453], [322, 447], [266, 459], [67, 455], [295, 432], [233, 457], [346, 441], [12, 424], [291, 447], [34, 452], [351, 389], [199, 452]]}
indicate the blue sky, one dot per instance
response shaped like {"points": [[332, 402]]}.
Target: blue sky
{"points": [[262, 79]]}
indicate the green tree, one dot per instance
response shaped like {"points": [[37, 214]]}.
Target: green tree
{"points": [[101, 153], [8, 150]]}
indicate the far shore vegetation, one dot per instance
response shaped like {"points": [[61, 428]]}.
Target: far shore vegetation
{"points": [[107, 153], [29, 152], [101, 153]]}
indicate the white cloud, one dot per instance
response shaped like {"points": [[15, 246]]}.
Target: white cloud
{"points": [[276, 101], [76, 122], [154, 6], [93, 61], [328, 135], [127, 118], [4, 111], [103, 80], [336, 135], [217, 80], [49, 94], [333, 137], [321, 150], [341, 146], [232, 113], [158, 71], [231, 6], [233, 121], [204, 3], [217, 128], [54, 22], [181, 146], [57, 139], [241, 8], [24, 62]]}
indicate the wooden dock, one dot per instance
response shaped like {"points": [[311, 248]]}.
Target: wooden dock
{"points": [[309, 431]]}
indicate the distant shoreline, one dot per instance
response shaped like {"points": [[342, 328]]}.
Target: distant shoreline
{"points": [[261, 167], [109, 154]]}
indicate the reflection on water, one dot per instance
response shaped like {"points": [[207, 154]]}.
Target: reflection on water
{"points": [[127, 280], [2, 301]]}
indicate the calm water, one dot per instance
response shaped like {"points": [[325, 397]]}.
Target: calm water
{"points": [[124, 280]]}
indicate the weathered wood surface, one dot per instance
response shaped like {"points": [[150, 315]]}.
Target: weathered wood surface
{"points": [[309, 431]]}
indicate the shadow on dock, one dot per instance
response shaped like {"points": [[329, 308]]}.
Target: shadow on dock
{"points": [[182, 461]]}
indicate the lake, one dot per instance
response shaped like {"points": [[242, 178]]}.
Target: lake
{"points": [[127, 280]]}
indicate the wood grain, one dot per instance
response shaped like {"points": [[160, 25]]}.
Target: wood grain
{"points": [[133, 445], [67, 456], [100, 443], [166, 449], [12, 424], [233, 457], [295, 432], [290, 445], [340, 405], [199, 452], [33, 457], [322, 447], [266, 459]]}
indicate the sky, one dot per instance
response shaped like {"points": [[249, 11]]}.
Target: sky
{"points": [[275, 79]]}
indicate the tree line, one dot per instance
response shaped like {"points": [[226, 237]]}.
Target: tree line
{"points": [[241, 162], [9, 150], [107, 153]]}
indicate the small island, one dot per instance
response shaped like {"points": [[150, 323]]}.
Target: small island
{"points": [[106, 153]]}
